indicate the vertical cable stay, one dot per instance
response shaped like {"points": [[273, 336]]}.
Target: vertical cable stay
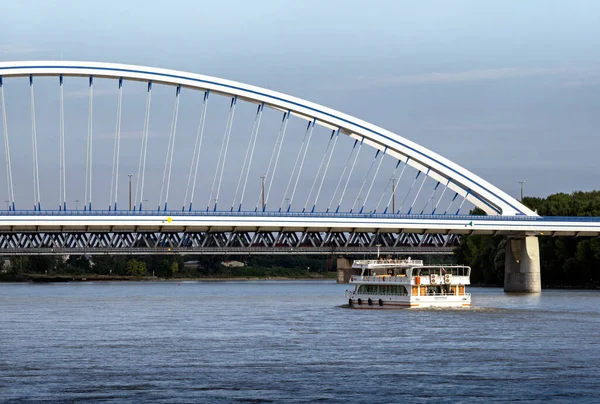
{"points": [[337, 187], [367, 175], [318, 171], [390, 181], [114, 182], [222, 152], [451, 202], [237, 188], [349, 175], [60, 143], [228, 136], [373, 180], [463, 202], [393, 191], [169, 155], [36, 178], [287, 188], [337, 135], [88, 168], [196, 154], [441, 196], [430, 196], [311, 125], [261, 107], [268, 172], [172, 148], [139, 186], [286, 120], [408, 193], [62, 146], [419, 191], [9, 182]]}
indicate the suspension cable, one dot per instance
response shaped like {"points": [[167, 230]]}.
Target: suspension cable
{"points": [[36, 178], [61, 144], [451, 202], [373, 180], [393, 190], [114, 183], [408, 193], [139, 188], [169, 155], [266, 175], [311, 125], [260, 111], [286, 119], [463, 202], [237, 188], [223, 150], [392, 181], [349, 175], [287, 188], [196, 154], [6, 149], [419, 191], [337, 187], [233, 103], [441, 196], [326, 168], [88, 179], [318, 171], [367, 175], [430, 196]]}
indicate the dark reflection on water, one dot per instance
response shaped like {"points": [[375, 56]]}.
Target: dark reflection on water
{"points": [[290, 342]]}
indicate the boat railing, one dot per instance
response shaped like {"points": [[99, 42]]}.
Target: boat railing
{"points": [[388, 262], [423, 280]]}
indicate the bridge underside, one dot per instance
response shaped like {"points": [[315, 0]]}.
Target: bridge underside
{"points": [[223, 242]]}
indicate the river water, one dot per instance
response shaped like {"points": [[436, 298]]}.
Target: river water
{"points": [[279, 341]]}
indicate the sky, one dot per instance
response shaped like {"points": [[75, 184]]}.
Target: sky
{"points": [[508, 89]]}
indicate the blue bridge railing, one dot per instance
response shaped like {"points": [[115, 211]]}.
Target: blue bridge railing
{"points": [[132, 213]]}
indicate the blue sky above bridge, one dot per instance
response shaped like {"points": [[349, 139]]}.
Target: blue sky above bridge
{"points": [[508, 90]]}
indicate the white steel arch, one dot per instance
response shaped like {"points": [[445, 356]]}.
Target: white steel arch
{"points": [[470, 186]]}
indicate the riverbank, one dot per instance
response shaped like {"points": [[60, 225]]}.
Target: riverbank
{"points": [[64, 278]]}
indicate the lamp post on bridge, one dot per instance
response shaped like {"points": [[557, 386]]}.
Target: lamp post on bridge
{"points": [[130, 175], [76, 204], [521, 182], [262, 191], [393, 195]]}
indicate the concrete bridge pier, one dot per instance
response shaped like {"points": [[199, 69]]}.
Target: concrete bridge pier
{"points": [[345, 270], [522, 265]]}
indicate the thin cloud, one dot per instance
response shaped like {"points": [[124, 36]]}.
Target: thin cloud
{"points": [[14, 49], [463, 76]]}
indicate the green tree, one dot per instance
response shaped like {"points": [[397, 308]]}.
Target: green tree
{"points": [[136, 268]]}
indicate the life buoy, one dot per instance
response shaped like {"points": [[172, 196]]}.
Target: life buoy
{"points": [[380, 302], [359, 301], [370, 302]]}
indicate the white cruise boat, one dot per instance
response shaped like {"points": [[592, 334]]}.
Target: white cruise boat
{"points": [[394, 283]]}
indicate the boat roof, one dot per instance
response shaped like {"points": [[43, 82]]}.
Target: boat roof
{"points": [[387, 263]]}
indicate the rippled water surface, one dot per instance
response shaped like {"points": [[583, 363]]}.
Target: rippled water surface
{"points": [[290, 342]]}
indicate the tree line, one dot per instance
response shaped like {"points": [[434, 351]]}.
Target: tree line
{"points": [[565, 261], [165, 266]]}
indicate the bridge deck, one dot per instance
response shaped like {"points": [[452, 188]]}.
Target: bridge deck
{"points": [[177, 221]]}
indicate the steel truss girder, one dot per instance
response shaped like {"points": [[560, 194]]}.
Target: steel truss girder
{"points": [[232, 242]]}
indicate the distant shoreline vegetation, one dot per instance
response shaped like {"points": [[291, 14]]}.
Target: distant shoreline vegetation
{"points": [[123, 268]]}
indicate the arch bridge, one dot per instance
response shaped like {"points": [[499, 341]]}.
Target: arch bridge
{"points": [[323, 181]]}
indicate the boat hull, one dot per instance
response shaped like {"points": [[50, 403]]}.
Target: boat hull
{"points": [[398, 302]]}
